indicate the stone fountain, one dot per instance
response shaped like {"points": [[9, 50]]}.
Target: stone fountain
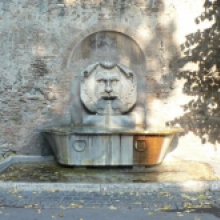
{"points": [[112, 132]]}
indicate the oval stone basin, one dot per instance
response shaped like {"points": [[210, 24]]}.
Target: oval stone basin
{"points": [[104, 146]]}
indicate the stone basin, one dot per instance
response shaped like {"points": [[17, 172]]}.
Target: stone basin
{"points": [[104, 146]]}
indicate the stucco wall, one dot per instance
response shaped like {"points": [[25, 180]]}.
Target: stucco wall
{"points": [[179, 39]]}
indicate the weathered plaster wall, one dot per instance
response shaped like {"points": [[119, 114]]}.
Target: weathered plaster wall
{"points": [[180, 41]]}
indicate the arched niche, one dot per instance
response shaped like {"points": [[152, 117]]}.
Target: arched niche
{"points": [[107, 45]]}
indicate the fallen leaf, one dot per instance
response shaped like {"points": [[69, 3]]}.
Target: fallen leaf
{"points": [[38, 211], [201, 196], [53, 216], [164, 194], [74, 205], [62, 207], [26, 206], [34, 205], [112, 207], [166, 207], [187, 205], [179, 214], [14, 191], [188, 197], [61, 215], [150, 213], [137, 203]]}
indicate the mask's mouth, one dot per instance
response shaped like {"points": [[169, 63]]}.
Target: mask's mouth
{"points": [[106, 97]]}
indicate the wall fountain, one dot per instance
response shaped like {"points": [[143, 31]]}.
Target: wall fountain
{"points": [[109, 135], [111, 128]]}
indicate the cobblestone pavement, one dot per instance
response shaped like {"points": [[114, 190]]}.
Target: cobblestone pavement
{"points": [[101, 214], [152, 197], [152, 201]]}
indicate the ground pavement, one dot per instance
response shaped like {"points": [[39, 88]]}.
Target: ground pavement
{"points": [[193, 199], [100, 214], [161, 202]]}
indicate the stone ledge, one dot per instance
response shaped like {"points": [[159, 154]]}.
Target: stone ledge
{"points": [[186, 186], [189, 186], [53, 187]]}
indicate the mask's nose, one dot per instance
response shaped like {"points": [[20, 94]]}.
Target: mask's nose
{"points": [[108, 87]]}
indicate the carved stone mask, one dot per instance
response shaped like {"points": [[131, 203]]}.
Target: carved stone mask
{"points": [[108, 88], [108, 84]]}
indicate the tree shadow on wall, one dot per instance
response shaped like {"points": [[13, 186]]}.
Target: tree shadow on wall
{"points": [[202, 114]]}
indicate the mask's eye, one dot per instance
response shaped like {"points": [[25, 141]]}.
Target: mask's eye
{"points": [[114, 82], [101, 81]]}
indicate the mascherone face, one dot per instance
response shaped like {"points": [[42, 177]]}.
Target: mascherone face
{"points": [[108, 84]]}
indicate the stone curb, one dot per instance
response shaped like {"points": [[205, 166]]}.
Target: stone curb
{"points": [[187, 186]]}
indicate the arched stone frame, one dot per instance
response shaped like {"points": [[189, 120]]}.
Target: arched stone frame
{"points": [[121, 29], [77, 40]]}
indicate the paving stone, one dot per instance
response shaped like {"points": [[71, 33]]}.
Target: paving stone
{"points": [[216, 205], [20, 204], [179, 205], [172, 206], [151, 207], [67, 198], [194, 202]]}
